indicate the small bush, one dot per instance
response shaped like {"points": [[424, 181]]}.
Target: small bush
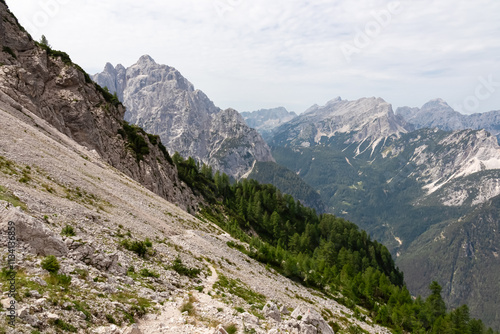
{"points": [[110, 319], [231, 329], [51, 264], [146, 273], [138, 247], [181, 269], [189, 307], [68, 231], [61, 324]]}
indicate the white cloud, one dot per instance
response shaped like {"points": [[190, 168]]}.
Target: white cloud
{"points": [[250, 54]]}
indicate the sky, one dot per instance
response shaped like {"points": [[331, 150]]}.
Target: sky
{"points": [[253, 54]]}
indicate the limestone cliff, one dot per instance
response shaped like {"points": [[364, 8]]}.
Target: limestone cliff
{"points": [[161, 101]]}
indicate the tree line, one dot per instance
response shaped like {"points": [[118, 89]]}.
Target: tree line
{"points": [[321, 251]]}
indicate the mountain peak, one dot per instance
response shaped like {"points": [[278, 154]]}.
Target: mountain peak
{"points": [[109, 68], [436, 103], [146, 59]]}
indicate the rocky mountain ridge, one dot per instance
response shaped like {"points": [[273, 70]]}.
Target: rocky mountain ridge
{"points": [[369, 119], [372, 167], [161, 101], [99, 252], [437, 113], [35, 79], [266, 120]]}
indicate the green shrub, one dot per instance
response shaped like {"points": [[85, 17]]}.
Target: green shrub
{"points": [[68, 231], [181, 269], [146, 273], [61, 324], [134, 135], [110, 319], [51, 264], [139, 247], [231, 329]]}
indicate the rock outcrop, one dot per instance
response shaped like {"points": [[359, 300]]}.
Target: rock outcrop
{"points": [[32, 232], [161, 101], [35, 79]]}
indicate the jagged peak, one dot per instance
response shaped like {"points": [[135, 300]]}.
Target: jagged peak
{"points": [[438, 102], [146, 59], [109, 68]]}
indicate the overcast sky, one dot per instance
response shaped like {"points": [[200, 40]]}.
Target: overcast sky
{"points": [[252, 54]]}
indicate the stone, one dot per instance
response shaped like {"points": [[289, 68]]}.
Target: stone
{"points": [[134, 329], [32, 231], [284, 310], [271, 311], [309, 318]]}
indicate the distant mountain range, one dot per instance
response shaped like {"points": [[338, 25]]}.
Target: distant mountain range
{"points": [[161, 101], [437, 113], [265, 120], [402, 176]]}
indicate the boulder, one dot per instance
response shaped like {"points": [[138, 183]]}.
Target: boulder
{"points": [[271, 311], [308, 321], [31, 231]]}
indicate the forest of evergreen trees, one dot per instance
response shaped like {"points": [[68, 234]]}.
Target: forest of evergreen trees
{"points": [[321, 251]]}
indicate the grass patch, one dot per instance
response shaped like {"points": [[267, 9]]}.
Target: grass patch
{"points": [[6, 195], [237, 288], [231, 329], [61, 324], [189, 307], [8, 50], [147, 273]]}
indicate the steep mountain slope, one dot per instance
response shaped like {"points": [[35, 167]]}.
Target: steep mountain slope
{"points": [[104, 284], [266, 120], [365, 119], [370, 167], [160, 100], [121, 251], [463, 255], [437, 113], [35, 79], [116, 253], [288, 182]]}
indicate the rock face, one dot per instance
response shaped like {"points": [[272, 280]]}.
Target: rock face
{"points": [[266, 120], [47, 84], [437, 113], [160, 100], [364, 119]]}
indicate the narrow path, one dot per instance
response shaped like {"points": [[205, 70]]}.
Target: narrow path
{"points": [[171, 320]]}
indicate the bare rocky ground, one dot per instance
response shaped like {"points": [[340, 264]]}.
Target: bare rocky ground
{"points": [[56, 182]]}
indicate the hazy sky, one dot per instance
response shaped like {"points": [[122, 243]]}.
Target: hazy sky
{"points": [[252, 54]]}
